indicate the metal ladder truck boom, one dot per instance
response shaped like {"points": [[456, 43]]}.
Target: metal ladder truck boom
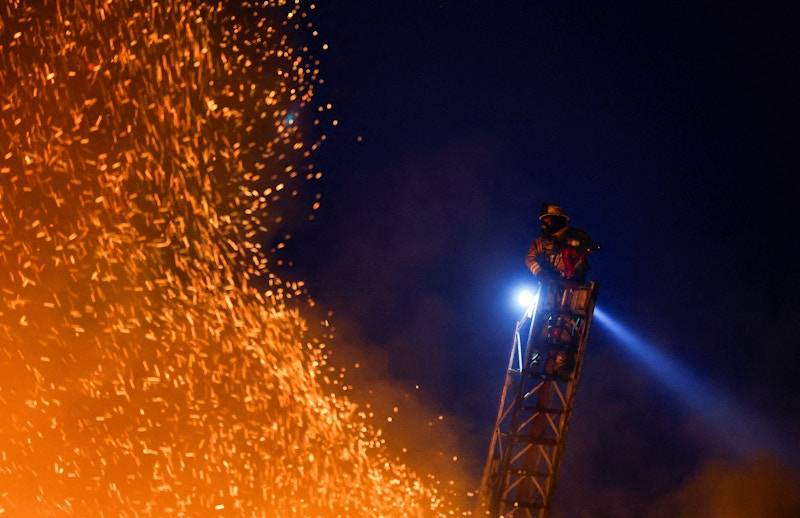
{"points": [[535, 402]]}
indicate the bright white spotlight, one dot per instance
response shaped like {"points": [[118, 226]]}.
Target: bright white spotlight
{"points": [[526, 298]]}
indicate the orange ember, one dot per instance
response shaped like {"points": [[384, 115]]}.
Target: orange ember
{"points": [[146, 150]]}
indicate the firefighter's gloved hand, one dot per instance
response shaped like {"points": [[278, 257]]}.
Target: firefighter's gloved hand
{"points": [[548, 275]]}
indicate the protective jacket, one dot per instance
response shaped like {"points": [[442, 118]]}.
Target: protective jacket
{"points": [[564, 254]]}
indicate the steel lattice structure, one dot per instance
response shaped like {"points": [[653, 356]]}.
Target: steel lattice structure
{"points": [[535, 404]]}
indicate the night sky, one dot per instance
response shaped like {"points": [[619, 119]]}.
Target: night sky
{"points": [[669, 133]]}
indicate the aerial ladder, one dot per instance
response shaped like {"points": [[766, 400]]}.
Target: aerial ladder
{"points": [[536, 401]]}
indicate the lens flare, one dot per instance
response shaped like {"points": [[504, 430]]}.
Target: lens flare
{"points": [[735, 426], [153, 362], [526, 298]]}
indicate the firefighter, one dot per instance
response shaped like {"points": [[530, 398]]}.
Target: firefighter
{"points": [[560, 252]]}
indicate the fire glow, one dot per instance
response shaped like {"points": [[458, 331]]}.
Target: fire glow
{"points": [[146, 150]]}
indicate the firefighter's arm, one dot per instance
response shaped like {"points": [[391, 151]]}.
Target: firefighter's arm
{"points": [[582, 241], [532, 259]]}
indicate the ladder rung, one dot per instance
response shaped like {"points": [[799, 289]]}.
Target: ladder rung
{"points": [[532, 440], [542, 410], [527, 505], [526, 473], [549, 377]]}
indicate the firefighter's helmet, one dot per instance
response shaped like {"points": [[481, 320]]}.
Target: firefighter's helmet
{"points": [[551, 209]]}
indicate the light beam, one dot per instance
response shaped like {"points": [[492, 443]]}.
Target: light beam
{"points": [[738, 428]]}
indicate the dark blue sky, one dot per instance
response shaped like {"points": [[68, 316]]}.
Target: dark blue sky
{"points": [[671, 135]]}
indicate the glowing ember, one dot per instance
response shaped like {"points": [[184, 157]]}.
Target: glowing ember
{"points": [[145, 151]]}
